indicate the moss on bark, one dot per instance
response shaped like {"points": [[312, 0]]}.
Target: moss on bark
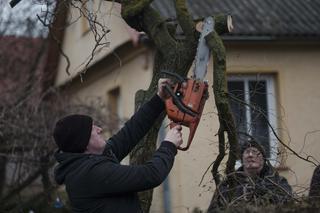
{"points": [[171, 55], [226, 119]]}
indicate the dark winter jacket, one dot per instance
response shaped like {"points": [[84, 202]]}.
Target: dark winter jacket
{"points": [[268, 188], [315, 184], [99, 183]]}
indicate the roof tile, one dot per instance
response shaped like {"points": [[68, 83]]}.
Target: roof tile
{"points": [[267, 18]]}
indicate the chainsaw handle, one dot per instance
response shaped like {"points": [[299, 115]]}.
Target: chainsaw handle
{"points": [[176, 75], [184, 148], [191, 135], [172, 124], [177, 101]]}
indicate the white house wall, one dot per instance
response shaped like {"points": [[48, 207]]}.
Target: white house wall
{"points": [[78, 44], [297, 74]]}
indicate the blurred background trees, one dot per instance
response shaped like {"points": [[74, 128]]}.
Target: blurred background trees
{"points": [[30, 106]]}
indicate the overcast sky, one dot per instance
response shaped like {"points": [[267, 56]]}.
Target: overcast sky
{"points": [[22, 19]]}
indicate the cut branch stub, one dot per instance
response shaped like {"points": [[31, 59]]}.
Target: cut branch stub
{"points": [[223, 24]]}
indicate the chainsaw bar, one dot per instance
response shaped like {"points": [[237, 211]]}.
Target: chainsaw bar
{"points": [[203, 52]]}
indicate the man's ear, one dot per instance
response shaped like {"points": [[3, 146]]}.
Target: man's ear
{"points": [[87, 147]]}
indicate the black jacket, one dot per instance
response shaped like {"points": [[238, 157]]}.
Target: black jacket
{"points": [[315, 184], [99, 183], [268, 188]]}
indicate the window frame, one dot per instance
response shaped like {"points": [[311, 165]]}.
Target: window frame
{"points": [[114, 104], [270, 80]]}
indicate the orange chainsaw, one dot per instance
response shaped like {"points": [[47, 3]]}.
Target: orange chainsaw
{"points": [[189, 95]]}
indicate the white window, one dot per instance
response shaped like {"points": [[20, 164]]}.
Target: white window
{"points": [[253, 107], [113, 99]]}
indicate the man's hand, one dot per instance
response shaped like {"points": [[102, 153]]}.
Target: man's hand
{"points": [[174, 136], [162, 93]]}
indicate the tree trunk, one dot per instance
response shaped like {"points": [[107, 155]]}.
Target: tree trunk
{"points": [[3, 164], [45, 179], [171, 55], [226, 119]]}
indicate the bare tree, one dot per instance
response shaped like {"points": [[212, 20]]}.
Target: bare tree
{"points": [[177, 55], [174, 53], [29, 108]]}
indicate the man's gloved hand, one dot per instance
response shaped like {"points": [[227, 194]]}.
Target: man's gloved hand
{"points": [[174, 136], [162, 93]]}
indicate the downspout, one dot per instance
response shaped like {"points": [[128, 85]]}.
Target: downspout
{"points": [[165, 184]]}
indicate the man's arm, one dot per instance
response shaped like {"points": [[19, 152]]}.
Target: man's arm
{"points": [[140, 123], [112, 178], [136, 127]]}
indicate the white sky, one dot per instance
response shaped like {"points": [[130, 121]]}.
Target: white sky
{"points": [[18, 20]]}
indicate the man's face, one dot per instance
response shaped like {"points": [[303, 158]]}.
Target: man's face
{"points": [[252, 160], [96, 142]]}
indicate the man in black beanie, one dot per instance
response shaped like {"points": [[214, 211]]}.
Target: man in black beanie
{"points": [[72, 133], [90, 167], [253, 157], [256, 181]]}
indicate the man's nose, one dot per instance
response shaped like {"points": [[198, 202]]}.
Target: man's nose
{"points": [[251, 153], [99, 129]]}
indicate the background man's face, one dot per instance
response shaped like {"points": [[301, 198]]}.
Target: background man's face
{"points": [[252, 160]]}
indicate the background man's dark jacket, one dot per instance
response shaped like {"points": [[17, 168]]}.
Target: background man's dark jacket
{"points": [[268, 188], [315, 184], [99, 183]]}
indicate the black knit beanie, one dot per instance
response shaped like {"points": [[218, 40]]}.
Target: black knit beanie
{"points": [[72, 133], [252, 143]]}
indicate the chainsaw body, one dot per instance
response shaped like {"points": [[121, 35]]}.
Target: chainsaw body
{"points": [[192, 94], [188, 97]]}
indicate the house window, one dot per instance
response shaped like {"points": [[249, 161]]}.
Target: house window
{"points": [[253, 107], [113, 97]]}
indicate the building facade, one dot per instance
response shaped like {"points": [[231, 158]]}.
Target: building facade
{"points": [[276, 71]]}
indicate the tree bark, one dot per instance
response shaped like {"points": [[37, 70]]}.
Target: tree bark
{"points": [[176, 56], [3, 164], [220, 90], [226, 119], [45, 179]]}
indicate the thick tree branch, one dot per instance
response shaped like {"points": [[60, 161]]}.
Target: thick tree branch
{"points": [[156, 28], [221, 99], [220, 156], [185, 20], [132, 8], [175, 56]]}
